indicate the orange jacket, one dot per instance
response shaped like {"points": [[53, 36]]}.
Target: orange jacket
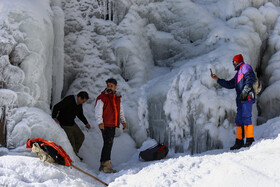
{"points": [[111, 108]]}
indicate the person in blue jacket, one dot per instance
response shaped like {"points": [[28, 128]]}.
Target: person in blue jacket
{"points": [[243, 83]]}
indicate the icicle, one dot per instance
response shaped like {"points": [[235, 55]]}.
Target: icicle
{"points": [[104, 8], [109, 9]]}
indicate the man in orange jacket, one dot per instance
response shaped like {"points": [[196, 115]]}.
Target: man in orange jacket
{"points": [[109, 114]]}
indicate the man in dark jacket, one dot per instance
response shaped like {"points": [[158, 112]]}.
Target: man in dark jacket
{"points": [[109, 113], [64, 114], [243, 83]]}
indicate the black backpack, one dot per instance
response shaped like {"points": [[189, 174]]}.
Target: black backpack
{"points": [[155, 152]]}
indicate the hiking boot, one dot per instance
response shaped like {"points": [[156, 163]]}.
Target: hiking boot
{"points": [[81, 159], [249, 142], [238, 144], [106, 167]]}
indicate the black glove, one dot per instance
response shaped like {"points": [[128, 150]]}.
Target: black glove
{"points": [[245, 92]]}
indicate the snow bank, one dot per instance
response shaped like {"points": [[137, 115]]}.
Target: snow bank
{"points": [[200, 169], [259, 162], [26, 171], [27, 123]]}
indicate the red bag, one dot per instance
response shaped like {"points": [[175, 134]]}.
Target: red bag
{"points": [[54, 150]]}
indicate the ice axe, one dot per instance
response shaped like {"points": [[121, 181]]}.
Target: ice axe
{"points": [[89, 174], [53, 153]]}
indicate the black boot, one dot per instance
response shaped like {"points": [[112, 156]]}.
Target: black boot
{"points": [[238, 144], [249, 142]]}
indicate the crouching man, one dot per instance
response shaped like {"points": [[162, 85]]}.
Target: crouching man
{"points": [[64, 114]]}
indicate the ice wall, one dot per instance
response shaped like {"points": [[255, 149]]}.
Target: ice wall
{"points": [[191, 113], [96, 50], [86, 47], [58, 52], [161, 52], [31, 38], [269, 99]]}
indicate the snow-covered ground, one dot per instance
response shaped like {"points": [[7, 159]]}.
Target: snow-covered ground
{"points": [[160, 52], [256, 166]]}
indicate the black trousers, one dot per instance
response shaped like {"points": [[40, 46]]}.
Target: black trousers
{"points": [[108, 134]]}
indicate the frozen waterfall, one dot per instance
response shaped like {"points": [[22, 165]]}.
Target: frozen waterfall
{"points": [[32, 40]]}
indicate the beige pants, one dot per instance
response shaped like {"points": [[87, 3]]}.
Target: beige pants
{"points": [[75, 136]]}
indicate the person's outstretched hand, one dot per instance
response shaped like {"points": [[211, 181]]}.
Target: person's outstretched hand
{"points": [[124, 126], [101, 126], [214, 76], [88, 126]]}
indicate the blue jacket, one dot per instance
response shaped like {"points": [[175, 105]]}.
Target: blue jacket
{"points": [[244, 76]]}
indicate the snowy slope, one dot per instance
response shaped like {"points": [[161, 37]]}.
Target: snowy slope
{"points": [[256, 166]]}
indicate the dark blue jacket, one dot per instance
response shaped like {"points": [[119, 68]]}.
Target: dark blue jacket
{"points": [[244, 76]]}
